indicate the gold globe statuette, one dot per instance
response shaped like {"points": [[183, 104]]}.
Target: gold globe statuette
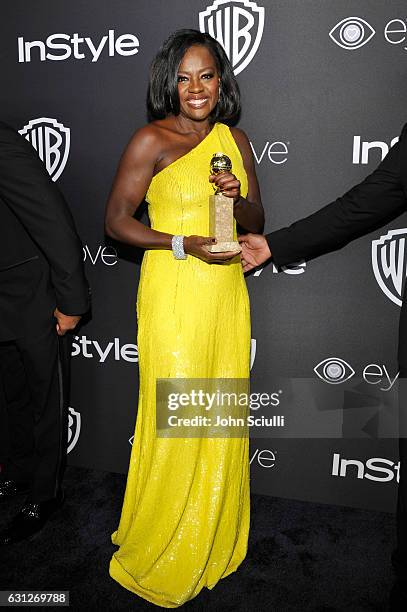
{"points": [[221, 222]]}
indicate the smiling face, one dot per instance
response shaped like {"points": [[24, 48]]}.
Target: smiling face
{"points": [[198, 83]]}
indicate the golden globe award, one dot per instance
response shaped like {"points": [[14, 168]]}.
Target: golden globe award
{"points": [[221, 211]]}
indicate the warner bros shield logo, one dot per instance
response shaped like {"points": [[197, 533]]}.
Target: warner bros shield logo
{"points": [[74, 428], [238, 26], [51, 140], [389, 263]]}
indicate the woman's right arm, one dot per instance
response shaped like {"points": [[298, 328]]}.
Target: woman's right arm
{"points": [[133, 176]]}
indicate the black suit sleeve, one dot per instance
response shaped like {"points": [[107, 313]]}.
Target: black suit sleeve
{"points": [[29, 192], [364, 208]]}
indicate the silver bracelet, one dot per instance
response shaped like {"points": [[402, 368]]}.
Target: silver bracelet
{"points": [[177, 244]]}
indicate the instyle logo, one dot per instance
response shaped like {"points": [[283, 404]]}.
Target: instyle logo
{"points": [[74, 428], [92, 349], [238, 26], [352, 33], [106, 255], [376, 469], [335, 371], [60, 47], [51, 139], [361, 149], [273, 152], [389, 263]]}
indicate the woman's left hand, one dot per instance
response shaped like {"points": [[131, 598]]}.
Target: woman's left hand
{"points": [[228, 184]]}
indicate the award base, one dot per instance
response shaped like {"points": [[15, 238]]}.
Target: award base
{"points": [[222, 247], [221, 224]]}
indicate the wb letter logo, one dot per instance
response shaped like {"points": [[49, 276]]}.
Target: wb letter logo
{"points": [[51, 141], [389, 263], [238, 26], [74, 428]]}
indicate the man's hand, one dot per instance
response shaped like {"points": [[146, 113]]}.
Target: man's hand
{"points": [[65, 322], [255, 251]]}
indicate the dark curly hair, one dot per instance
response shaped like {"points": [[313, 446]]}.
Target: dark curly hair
{"points": [[162, 97]]}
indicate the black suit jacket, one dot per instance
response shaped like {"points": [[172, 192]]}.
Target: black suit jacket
{"points": [[41, 263], [380, 198]]}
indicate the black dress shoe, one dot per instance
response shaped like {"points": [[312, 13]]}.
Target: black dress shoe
{"points": [[30, 520], [10, 488]]}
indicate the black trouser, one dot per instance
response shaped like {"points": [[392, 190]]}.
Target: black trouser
{"points": [[400, 554], [34, 375]]}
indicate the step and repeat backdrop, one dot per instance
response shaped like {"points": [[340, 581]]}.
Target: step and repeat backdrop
{"points": [[324, 93]]}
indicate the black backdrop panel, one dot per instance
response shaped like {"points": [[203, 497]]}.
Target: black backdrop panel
{"points": [[312, 103]]}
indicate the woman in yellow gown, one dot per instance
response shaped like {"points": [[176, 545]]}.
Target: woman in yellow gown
{"points": [[186, 511]]}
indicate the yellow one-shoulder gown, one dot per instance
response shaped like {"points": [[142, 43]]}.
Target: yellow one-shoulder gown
{"points": [[186, 512]]}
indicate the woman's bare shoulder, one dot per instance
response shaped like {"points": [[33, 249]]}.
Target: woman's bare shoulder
{"points": [[152, 137], [245, 148], [145, 143], [240, 137]]}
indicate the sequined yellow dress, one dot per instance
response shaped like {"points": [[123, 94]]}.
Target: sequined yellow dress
{"points": [[185, 518]]}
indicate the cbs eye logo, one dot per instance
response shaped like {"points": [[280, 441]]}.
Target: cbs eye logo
{"points": [[352, 33], [334, 370]]}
